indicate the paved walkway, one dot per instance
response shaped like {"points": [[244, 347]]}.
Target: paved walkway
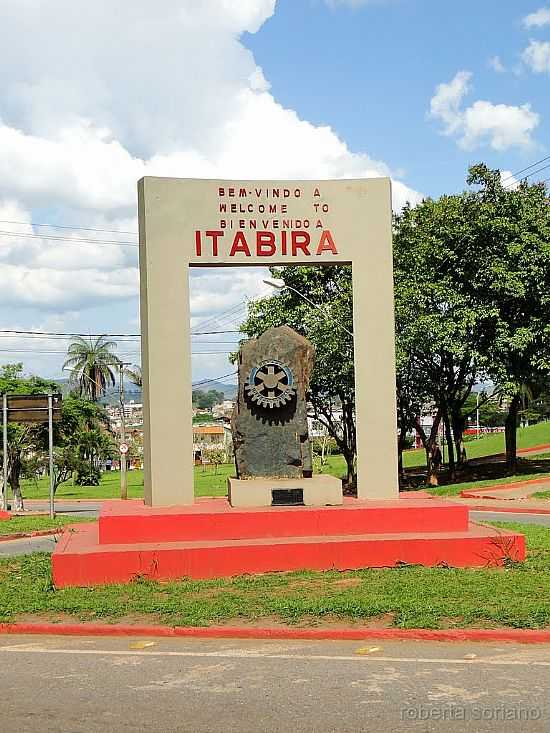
{"points": [[91, 685]]}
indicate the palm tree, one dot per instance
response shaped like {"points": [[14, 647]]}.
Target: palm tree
{"points": [[90, 362], [134, 375]]}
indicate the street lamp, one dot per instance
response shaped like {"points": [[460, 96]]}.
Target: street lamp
{"points": [[281, 285]]}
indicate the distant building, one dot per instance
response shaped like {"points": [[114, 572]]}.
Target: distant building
{"points": [[317, 429], [133, 415], [223, 410], [211, 437]]}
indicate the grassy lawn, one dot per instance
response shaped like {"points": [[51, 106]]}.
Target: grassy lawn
{"points": [[455, 489], [406, 597], [15, 525], [490, 444], [541, 495], [210, 481]]}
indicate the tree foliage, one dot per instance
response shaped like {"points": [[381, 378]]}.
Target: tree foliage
{"points": [[91, 363]]}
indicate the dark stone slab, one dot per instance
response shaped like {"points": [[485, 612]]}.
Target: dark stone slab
{"points": [[269, 422]]}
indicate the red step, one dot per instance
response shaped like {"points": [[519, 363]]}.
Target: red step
{"points": [[79, 559], [123, 522]]}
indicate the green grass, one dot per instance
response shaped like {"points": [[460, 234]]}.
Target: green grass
{"points": [[15, 525], [455, 489], [109, 488], [209, 481], [541, 495], [517, 596], [489, 445]]}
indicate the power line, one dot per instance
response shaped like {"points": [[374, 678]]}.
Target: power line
{"points": [[54, 334], [70, 240], [126, 353], [58, 333], [214, 379], [67, 226], [515, 175], [533, 173]]}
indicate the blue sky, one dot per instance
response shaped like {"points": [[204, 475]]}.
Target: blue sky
{"points": [[93, 100], [370, 72]]}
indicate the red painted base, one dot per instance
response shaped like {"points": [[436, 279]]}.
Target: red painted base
{"points": [[123, 522], [4, 515], [210, 540]]}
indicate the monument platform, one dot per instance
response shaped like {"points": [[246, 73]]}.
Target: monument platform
{"points": [[211, 539]]}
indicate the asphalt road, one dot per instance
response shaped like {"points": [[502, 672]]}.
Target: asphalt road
{"points": [[10, 548], [542, 519], [89, 685], [77, 509]]}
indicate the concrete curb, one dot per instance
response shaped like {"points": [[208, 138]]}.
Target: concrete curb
{"points": [[506, 509], [28, 535], [521, 636], [478, 493]]}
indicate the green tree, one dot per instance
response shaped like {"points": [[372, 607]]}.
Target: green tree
{"points": [[440, 320], [512, 279], [91, 363], [134, 374], [24, 439], [207, 400], [78, 441]]}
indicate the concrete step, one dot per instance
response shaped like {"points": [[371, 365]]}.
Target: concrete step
{"points": [[80, 560], [123, 522]]}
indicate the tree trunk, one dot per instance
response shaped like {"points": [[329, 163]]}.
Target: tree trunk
{"points": [[400, 447], [431, 477], [17, 496], [350, 477], [457, 424], [429, 442], [510, 433], [450, 446]]}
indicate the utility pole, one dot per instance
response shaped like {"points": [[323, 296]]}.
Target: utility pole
{"points": [[50, 454], [123, 447], [5, 448]]}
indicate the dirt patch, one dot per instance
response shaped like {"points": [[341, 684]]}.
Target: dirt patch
{"points": [[346, 583]]}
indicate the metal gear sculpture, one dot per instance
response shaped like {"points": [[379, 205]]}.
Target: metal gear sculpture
{"points": [[270, 384]]}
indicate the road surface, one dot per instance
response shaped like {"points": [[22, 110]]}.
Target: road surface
{"points": [[94, 685]]}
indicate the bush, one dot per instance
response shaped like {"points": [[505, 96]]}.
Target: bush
{"points": [[87, 475]]}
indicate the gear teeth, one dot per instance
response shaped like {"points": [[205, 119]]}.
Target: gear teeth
{"points": [[287, 392]]}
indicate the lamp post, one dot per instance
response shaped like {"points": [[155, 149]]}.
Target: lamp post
{"points": [[281, 285]]}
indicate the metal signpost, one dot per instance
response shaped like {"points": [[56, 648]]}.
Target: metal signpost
{"points": [[5, 451], [27, 408]]}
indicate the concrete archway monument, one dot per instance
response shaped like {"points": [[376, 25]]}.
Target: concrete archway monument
{"points": [[189, 223]]}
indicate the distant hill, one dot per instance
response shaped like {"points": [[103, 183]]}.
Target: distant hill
{"points": [[133, 393], [229, 390]]}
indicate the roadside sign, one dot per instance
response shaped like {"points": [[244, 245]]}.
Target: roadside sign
{"points": [[32, 408], [123, 448]]}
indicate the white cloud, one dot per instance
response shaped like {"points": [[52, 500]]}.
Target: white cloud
{"points": [[501, 126], [99, 99], [537, 56], [508, 180], [538, 19], [496, 64]]}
